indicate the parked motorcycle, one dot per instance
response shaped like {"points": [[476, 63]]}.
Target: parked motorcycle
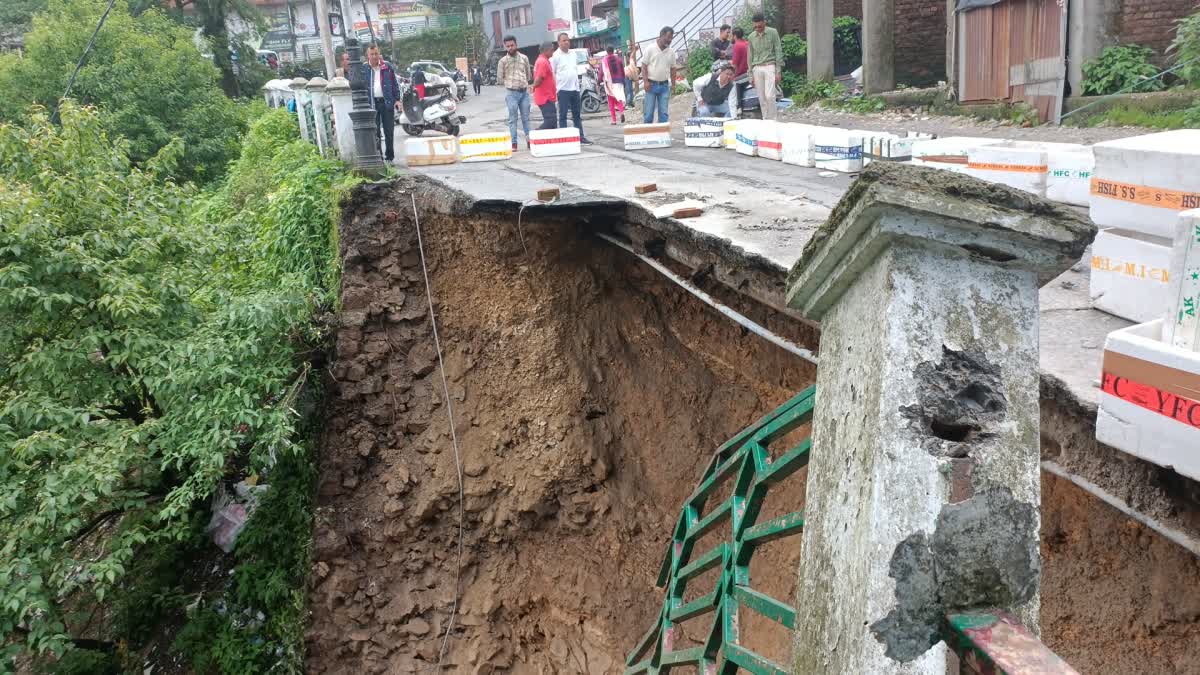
{"points": [[461, 83], [489, 77], [435, 112], [593, 98]]}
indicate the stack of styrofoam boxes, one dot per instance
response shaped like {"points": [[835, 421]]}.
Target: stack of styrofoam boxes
{"points": [[770, 145], [647, 136], [704, 132], [869, 139], [490, 147], [1012, 163], [797, 144], [948, 154], [1069, 175], [431, 151], [1149, 400], [837, 150], [1139, 188], [730, 138], [555, 142], [747, 137]]}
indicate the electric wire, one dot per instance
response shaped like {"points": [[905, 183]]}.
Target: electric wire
{"points": [[83, 56], [437, 343]]}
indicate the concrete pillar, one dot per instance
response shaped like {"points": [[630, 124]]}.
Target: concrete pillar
{"points": [[924, 486], [316, 94], [340, 96], [819, 27], [879, 40], [301, 95], [1092, 27]]}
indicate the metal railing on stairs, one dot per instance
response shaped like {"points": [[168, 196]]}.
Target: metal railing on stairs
{"points": [[746, 461], [705, 15]]}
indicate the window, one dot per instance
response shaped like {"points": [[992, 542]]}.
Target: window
{"points": [[516, 17], [578, 10]]}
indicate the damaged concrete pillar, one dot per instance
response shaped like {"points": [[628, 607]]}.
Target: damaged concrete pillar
{"points": [[878, 40], [923, 489], [819, 35]]}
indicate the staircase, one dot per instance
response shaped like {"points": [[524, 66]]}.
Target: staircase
{"points": [[704, 16]]}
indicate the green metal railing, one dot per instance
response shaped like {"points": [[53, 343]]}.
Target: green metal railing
{"points": [[745, 459]]}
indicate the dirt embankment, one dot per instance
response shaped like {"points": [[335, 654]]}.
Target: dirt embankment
{"points": [[588, 393]]}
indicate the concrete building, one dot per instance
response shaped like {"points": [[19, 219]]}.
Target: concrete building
{"points": [[293, 26], [589, 23]]}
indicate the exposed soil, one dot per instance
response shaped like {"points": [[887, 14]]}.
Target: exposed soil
{"points": [[588, 394]]}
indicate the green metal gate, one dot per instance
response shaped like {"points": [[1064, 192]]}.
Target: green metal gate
{"points": [[746, 460]]}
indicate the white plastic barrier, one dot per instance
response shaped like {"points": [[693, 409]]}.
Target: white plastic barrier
{"points": [[1017, 165], [554, 142], [948, 154], [1143, 183], [837, 150], [730, 138], [769, 144], [484, 147], [1148, 407], [431, 151], [1182, 326], [1130, 273], [1069, 179], [797, 144], [647, 136], [747, 137], [704, 132]]}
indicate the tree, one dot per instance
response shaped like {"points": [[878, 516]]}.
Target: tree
{"points": [[145, 75], [213, 17]]}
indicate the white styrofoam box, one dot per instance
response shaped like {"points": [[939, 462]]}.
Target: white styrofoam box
{"points": [[1148, 399], [770, 146], [1017, 165], [431, 151], [919, 136], [554, 142], [1069, 178], [747, 137], [837, 150], [490, 147], [1182, 326], [730, 128], [1130, 272], [868, 141], [797, 144], [891, 149], [647, 136], [947, 153], [1142, 183], [704, 132]]}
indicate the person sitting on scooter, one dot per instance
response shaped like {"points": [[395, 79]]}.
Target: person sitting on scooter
{"points": [[716, 94], [418, 81], [741, 53]]}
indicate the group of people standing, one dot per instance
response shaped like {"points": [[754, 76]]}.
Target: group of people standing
{"points": [[553, 82]]}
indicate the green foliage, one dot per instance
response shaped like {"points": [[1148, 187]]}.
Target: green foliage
{"points": [[1186, 49], [857, 104], [1120, 68], [16, 15], [150, 339], [87, 662], [791, 83], [811, 91], [700, 62], [1126, 116], [441, 44], [772, 11], [795, 50], [846, 47], [145, 75]]}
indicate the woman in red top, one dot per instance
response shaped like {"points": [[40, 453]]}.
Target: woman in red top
{"points": [[741, 53]]}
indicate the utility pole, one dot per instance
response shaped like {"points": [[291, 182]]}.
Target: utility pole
{"points": [[326, 39]]}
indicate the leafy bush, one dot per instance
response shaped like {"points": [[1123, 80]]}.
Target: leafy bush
{"points": [[700, 62], [795, 51], [1120, 68], [1186, 49], [791, 83], [440, 44], [144, 74], [811, 91], [147, 345], [846, 47]]}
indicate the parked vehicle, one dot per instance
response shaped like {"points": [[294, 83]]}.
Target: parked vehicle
{"points": [[435, 112], [593, 98]]}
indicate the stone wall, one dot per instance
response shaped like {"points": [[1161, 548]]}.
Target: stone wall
{"points": [[920, 34]]}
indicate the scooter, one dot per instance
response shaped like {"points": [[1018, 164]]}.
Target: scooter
{"points": [[435, 112], [593, 98], [460, 82]]}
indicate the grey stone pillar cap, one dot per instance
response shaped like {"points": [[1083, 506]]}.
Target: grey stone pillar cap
{"points": [[338, 84], [953, 212]]}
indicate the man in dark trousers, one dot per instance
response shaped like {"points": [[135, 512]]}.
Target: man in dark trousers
{"points": [[477, 78], [383, 91]]}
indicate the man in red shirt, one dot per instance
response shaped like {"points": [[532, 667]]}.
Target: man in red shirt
{"points": [[741, 53], [545, 92]]}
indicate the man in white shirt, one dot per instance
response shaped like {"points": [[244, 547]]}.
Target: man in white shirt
{"points": [[658, 76], [566, 77]]}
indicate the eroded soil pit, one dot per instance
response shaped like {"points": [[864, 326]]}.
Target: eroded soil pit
{"points": [[588, 394]]}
